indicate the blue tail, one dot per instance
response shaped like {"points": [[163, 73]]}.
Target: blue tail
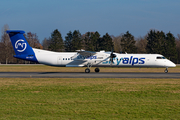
{"points": [[21, 46]]}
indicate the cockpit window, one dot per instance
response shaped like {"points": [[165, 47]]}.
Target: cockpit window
{"points": [[160, 57]]}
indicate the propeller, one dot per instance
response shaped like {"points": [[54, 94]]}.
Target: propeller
{"points": [[112, 56]]}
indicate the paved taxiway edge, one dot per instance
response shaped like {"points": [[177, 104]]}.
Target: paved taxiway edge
{"points": [[86, 75]]}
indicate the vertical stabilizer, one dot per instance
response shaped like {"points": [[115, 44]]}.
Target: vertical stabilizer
{"points": [[21, 46]]}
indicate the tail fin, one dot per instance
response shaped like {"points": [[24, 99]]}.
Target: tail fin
{"points": [[19, 42], [21, 46]]}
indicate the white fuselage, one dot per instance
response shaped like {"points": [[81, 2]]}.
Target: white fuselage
{"points": [[100, 59]]}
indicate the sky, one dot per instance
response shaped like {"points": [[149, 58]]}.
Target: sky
{"points": [[114, 17]]}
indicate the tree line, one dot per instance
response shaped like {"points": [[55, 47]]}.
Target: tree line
{"points": [[90, 41], [154, 42]]}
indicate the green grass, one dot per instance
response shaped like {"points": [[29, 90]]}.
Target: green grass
{"points": [[90, 98]]}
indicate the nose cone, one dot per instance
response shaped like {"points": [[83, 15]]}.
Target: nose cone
{"points": [[171, 64]]}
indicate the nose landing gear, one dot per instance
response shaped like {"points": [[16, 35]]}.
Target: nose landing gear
{"points": [[166, 70]]}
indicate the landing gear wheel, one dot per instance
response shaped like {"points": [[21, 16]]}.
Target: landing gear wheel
{"points": [[87, 70], [166, 70], [97, 70]]}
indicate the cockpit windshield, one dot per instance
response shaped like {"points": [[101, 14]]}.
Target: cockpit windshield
{"points": [[160, 57]]}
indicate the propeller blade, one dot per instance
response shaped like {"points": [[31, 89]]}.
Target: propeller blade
{"points": [[112, 56]]}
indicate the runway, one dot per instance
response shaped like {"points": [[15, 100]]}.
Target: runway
{"points": [[87, 75]]}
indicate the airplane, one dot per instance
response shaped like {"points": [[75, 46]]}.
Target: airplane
{"points": [[83, 58]]}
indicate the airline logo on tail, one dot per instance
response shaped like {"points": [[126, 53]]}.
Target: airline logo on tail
{"points": [[20, 45]]}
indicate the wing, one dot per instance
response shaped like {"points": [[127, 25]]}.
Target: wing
{"points": [[86, 53], [83, 55]]}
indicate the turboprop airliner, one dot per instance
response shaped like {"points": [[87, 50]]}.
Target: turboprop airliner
{"points": [[83, 58]]}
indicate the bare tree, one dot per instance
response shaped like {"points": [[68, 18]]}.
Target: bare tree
{"points": [[1, 52], [141, 43], [33, 40], [6, 47], [46, 43], [178, 47], [117, 43]]}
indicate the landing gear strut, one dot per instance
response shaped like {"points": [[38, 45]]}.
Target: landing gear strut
{"points": [[166, 70], [87, 70], [97, 70]]}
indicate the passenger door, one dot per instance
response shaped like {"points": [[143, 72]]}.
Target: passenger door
{"points": [[59, 60]]}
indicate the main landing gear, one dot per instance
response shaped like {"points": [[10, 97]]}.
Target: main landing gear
{"points": [[166, 70], [96, 70], [87, 70]]}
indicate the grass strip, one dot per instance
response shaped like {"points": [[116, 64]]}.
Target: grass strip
{"points": [[89, 98]]}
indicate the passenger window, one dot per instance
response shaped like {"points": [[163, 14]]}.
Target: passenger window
{"points": [[68, 58]]}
